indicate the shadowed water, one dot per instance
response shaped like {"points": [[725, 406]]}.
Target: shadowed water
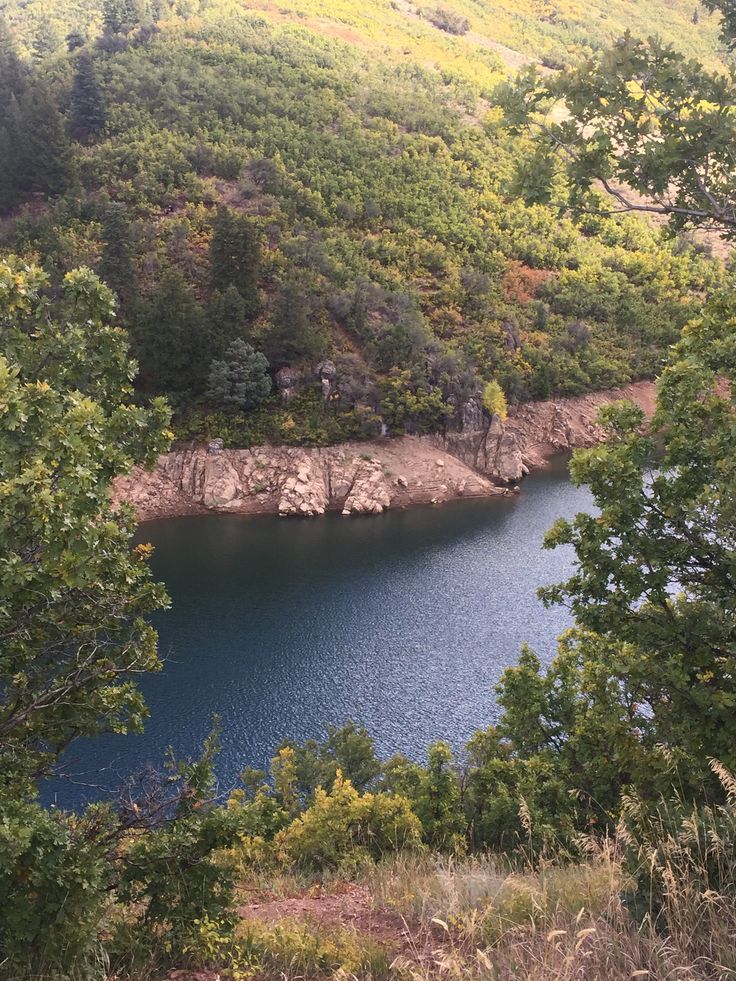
{"points": [[404, 622]]}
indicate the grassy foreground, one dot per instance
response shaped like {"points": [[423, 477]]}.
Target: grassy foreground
{"points": [[432, 916]]}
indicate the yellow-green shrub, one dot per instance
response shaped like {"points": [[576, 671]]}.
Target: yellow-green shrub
{"points": [[345, 824]]}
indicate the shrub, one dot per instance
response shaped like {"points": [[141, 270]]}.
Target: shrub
{"points": [[448, 20], [53, 887], [344, 824], [292, 949]]}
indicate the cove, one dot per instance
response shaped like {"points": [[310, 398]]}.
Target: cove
{"points": [[403, 622]]}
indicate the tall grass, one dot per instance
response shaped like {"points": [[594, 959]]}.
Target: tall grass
{"points": [[658, 901]]}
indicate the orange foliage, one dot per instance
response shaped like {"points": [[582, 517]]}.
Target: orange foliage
{"points": [[522, 283]]}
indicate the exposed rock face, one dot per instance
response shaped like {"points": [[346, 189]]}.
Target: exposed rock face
{"points": [[536, 431], [327, 374], [473, 418], [302, 482], [368, 478]]}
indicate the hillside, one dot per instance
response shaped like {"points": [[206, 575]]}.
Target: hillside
{"points": [[310, 225], [330, 183]]}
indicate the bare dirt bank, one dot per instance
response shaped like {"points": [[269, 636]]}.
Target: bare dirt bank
{"points": [[368, 478]]}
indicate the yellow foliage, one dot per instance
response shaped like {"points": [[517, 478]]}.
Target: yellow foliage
{"points": [[494, 400]]}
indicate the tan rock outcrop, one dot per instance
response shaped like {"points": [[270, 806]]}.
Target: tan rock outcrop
{"points": [[538, 430], [368, 478]]}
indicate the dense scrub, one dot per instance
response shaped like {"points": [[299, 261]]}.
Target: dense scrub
{"points": [[239, 175]]}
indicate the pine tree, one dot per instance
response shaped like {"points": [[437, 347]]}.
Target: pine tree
{"points": [[47, 158], [116, 263], [169, 337], [240, 379], [121, 16], [11, 154], [294, 335], [13, 85], [227, 316], [234, 256], [13, 73], [74, 41], [87, 105]]}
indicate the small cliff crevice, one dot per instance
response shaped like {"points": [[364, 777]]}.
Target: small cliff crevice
{"points": [[369, 478]]}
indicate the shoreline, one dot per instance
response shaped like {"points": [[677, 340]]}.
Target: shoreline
{"points": [[371, 477]]}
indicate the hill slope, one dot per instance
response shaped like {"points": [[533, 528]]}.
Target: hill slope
{"points": [[368, 209]]}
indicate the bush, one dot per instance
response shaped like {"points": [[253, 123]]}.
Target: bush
{"points": [[344, 824], [54, 876], [448, 20], [299, 950]]}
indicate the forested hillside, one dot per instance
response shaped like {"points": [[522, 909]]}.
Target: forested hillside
{"points": [[329, 181], [266, 193]]}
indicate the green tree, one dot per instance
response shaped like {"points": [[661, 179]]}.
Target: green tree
{"points": [[169, 337], [74, 597], [295, 334], [642, 693], [655, 572], [235, 256], [241, 379], [227, 320], [46, 156], [87, 105], [410, 404], [438, 801], [13, 86], [116, 262], [121, 16], [348, 748], [75, 635], [651, 127], [727, 10], [494, 400]]}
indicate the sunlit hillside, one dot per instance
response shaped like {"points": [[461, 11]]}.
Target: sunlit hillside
{"points": [[498, 31], [375, 192]]}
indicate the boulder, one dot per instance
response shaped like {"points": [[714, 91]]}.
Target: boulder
{"points": [[327, 374], [288, 381]]}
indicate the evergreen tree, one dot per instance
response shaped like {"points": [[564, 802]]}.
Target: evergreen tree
{"points": [[87, 105], [116, 262], [169, 337], [294, 336], [11, 154], [234, 256], [120, 16], [13, 85], [227, 316], [47, 40], [13, 73], [240, 380], [74, 41], [46, 152]]}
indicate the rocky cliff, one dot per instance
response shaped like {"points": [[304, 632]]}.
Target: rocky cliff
{"points": [[538, 430], [367, 478]]}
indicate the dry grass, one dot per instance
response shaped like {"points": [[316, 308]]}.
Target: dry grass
{"points": [[657, 901], [472, 919]]}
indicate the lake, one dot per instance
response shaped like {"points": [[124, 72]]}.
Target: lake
{"points": [[403, 622]]}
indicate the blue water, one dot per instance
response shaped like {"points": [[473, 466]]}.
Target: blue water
{"points": [[403, 622]]}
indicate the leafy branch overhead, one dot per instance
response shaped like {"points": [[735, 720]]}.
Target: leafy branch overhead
{"points": [[653, 129]]}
